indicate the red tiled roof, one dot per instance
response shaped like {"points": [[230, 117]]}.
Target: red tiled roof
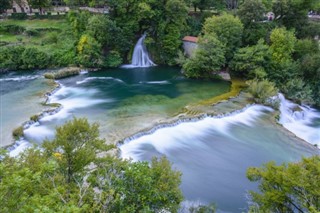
{"points": [[190, 39]]}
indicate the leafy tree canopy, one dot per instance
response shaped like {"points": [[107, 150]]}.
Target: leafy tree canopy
{"points": [[75, 173], [287, 188], [228, 29]]}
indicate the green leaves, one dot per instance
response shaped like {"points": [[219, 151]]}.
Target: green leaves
{"points": [[228, 29], [288, 188], [75, 173], [208, 58]]}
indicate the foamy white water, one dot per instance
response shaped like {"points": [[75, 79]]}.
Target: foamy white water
{"points": [[140, 57], [300, 120], [19, 147], [154, 82], [165, 139], [70, 98], [213, 154], [22, 78], [98, 78]]}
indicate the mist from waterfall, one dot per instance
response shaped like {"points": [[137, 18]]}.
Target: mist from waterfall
{"points": [[140, 57]]}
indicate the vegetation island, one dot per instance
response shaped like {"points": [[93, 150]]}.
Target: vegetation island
{"points": [[272, 45]]}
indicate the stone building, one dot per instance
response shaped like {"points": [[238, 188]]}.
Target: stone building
{"points": [[20, 6], [189, 45]]}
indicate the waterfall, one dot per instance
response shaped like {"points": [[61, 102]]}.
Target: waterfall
{"points": [[301, 120], [140, 57]]}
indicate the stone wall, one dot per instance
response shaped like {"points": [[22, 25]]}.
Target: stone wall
{"points": [[189, 48]]}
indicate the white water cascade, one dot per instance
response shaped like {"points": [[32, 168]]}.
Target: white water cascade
{"points": [[300, 120], [140, 57]]}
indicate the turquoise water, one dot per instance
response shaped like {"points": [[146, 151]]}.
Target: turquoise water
{"points": [[213, 153], [123, 101]]}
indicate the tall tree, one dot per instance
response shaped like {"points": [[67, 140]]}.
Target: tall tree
{"points": [[208, 58], [282, 45], [251, 11], [287, 188], [39, 4], [76, 173], [229, 30], [4, 5]]}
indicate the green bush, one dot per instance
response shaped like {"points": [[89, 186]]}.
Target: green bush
{"points": [[11, 57], [51, 38], [18, 16], [62, 58], [34, 118], [296, 89], [113, 59], [17, 132], [34, 58], [62, 73], [262, 90], [32, 32], [14, 29]]}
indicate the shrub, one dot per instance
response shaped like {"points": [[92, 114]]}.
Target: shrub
{"points": [[113, 59], [11, 57], [14, 29], [262, 90], [296, 89], [17, 132], [63, 73], [34, 58], [32, 32], [19, 16], [51, 38], [35, 118]]}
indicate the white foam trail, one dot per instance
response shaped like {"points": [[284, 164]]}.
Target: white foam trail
{"points": [[82, 72], [19, 147], [166, 138], [154, 82], [299, 120], [98, 78], [37, 132], [22, 78], [72, 98]]}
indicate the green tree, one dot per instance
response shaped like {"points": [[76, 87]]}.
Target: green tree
{"points": [[77, 143], [252, 61], [75, 173], [40, 4], [207, 60], [102, 29], [138, 187], [282, 45], [89, 52], [4, 5], [292, 14], [287, 188], [229, 30], [34, 58], [251, 11], [305, 47]]}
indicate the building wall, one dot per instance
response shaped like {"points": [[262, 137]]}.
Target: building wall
{"points": [[23, 7], [189, 48]]}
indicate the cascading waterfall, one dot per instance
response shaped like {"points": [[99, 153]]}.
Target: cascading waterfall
{"points": [[140, 57], [300, 120]]}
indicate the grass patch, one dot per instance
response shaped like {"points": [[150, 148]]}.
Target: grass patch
{"points": [[17, 132], [63, 73], [35, 118], [236, 86], [37, 23]]}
